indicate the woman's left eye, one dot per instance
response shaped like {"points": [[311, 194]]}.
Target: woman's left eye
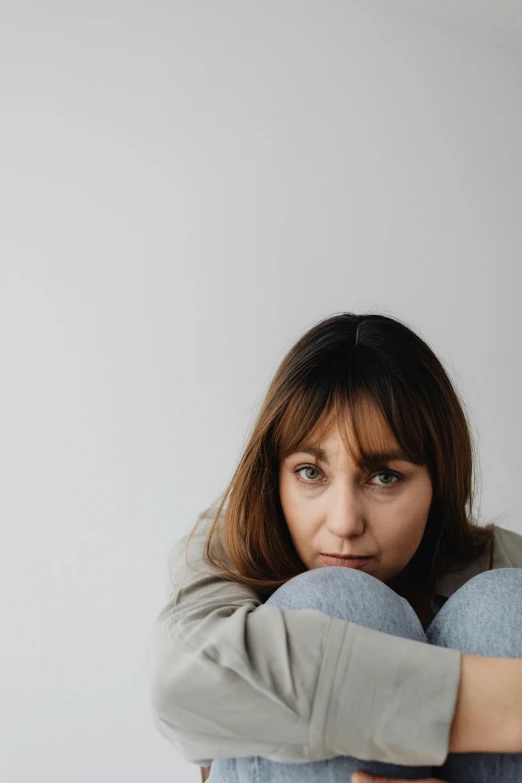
{"points": [[398, 476]]}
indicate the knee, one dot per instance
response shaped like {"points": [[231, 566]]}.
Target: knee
{"points": [[495, 593], [484, 616], [353, 595], [322, 588], [498, 578]]}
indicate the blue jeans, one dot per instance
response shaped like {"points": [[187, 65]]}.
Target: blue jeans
{"points": [[483, 617]]}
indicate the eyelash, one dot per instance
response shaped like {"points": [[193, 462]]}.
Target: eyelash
{"points": [[381, 473]]}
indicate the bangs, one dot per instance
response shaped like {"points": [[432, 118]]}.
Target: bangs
{"points": [[369, 417]]}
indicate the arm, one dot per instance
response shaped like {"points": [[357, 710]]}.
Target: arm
{"points": [[489, 691], [488, 712], [230, 676]]}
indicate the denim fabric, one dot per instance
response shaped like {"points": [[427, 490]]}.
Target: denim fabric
{"points": [[483, 617]]}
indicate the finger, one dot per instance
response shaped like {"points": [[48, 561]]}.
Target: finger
{"points": [[365, 777]]}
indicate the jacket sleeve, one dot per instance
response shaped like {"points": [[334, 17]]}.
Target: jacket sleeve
{"points": [[229, 676]]}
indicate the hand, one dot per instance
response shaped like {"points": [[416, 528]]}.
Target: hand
{"points": [[365, 777]]}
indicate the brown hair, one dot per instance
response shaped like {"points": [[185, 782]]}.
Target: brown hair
{"points": [[326, 377]]}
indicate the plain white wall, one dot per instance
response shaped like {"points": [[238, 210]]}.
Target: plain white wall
{"points": [[187, 187]]}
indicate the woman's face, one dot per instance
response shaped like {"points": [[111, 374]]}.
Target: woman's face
{"points": [[335, 507]]}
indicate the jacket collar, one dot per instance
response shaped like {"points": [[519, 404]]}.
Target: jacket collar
{"points": [[447, 584]]}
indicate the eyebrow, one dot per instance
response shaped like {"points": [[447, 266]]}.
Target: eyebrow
{"points": [[375, 458]]}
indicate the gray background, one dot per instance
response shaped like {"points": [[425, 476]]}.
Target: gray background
{"points": [[185, 188]]}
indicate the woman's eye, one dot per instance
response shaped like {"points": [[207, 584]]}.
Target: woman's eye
{"points": [[306, 467], [389, 473], [392, 474]]}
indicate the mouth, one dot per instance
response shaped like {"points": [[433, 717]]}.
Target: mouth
{"points": [[347, 562]]}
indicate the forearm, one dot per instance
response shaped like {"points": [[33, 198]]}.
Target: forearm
{"points": [[488, 712]]}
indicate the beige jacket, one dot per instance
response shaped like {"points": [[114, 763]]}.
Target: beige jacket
{"points": [[230, 676]]}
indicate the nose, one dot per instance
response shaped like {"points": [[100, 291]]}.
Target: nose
{"points": [[345, 516]]}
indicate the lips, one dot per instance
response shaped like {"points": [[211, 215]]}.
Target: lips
{"points": [[346, 562]]}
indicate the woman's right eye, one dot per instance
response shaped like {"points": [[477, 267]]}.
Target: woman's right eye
{"points": [[306, 467]]}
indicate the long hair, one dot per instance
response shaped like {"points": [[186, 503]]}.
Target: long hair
{"points": [[328, 377]]}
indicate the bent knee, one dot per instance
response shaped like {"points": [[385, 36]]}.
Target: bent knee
{"points": [[323, 585], [498, 578], [484, 616], [495, 591], [350, 594]]}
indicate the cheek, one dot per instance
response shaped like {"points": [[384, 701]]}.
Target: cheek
{"points": [[412, 511], [402, 538], [411, 536], [302, 535], [299, 530]]}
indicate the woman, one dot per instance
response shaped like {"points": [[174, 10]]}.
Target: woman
{"points": [[280, 660]]}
